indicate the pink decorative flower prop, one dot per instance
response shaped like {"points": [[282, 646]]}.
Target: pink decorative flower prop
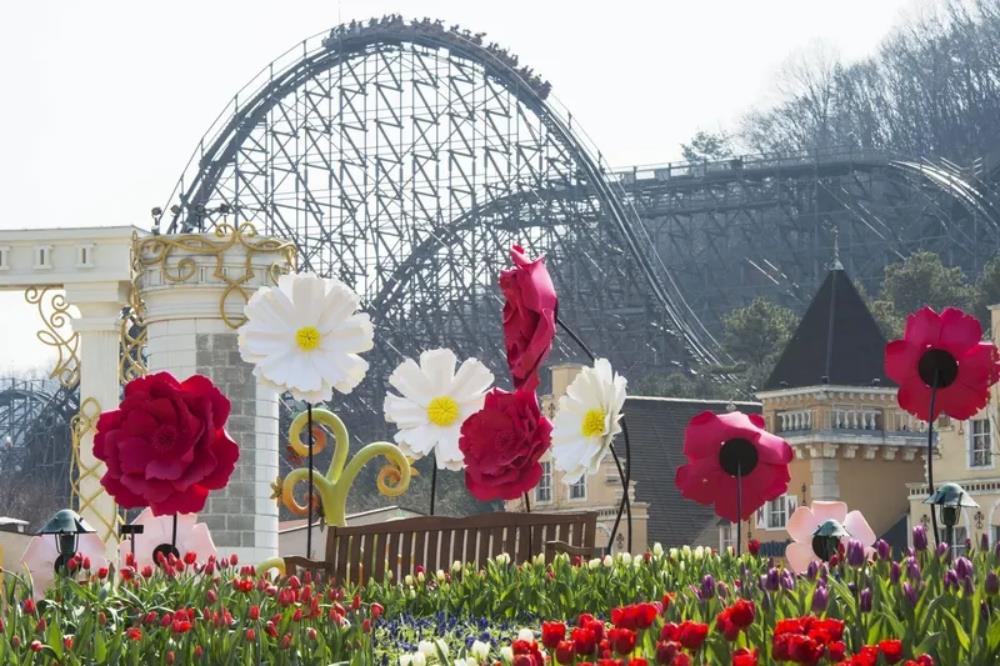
{"points": [[502, 443], [943, 350], [720, 447], [192, 537], [806, 520], [529, 316], [166, 445], [41, 554]]}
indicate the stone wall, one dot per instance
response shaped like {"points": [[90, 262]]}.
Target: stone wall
{"points": [[242, 515]]}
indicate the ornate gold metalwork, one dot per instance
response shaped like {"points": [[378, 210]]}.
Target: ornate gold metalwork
{"points": [[53, 308], [131, 363], [335, 485], [157, 251], [80, 425]]}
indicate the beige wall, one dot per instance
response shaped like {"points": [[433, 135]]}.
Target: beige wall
{"points": [[12, 545]]}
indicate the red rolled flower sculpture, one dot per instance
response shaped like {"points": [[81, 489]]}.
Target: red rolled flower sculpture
{"points": [[720, 446], [945, 350], [529, 316], [166, 445], [502, 443]]}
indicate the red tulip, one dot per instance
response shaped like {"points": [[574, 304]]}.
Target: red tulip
{"points": [[692, 634], [28, 606], [718, 446], [251, 635], [254, 612], [36, 646], [945, 349], [102, 573], [892, 650], [753, 546], [745, 657], [134, 633], [553, 634]]}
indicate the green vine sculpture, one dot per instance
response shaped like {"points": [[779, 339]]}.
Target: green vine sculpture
{"points": [[332, 489]]}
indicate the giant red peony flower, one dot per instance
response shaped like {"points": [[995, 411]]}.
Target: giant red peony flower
{"points": [[166, 445], [529, 316], [718, 446], [946, 349], [501, 444]]}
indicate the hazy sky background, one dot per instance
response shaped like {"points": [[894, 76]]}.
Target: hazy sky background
{"points": [[105, 101]]}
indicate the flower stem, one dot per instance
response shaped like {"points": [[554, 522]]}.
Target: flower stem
{"points": [[930, 459], [626, 474], [434, 479], [309, 497]]}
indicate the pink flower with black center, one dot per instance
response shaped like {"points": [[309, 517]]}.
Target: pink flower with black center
{"points": [[945, 351], [722, 447]]}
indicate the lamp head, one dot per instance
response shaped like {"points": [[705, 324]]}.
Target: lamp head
{"points": [[827, 538]]}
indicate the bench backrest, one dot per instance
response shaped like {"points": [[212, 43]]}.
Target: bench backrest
{"points": [[368, 552]]}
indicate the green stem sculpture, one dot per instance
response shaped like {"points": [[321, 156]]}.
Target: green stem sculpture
{"points": [[332, 489]]}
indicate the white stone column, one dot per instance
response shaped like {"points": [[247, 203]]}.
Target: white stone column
{"points": [[99, 326], [190, 328]]}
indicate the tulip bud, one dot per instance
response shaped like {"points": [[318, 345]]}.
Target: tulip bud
{"points": [[865, 600], [883, 549], [992, 584], [920, 537]]}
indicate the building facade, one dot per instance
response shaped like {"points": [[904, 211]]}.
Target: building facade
{"points": [[967, 455]]}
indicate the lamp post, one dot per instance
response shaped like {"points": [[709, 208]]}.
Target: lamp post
{"points": [[950, 497], [827, 538], [67, 526]]}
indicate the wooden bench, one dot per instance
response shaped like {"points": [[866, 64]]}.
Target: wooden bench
{"points": [[396, 547]]}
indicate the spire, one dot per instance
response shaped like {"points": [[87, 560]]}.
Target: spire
{"points": [[836, 265]]}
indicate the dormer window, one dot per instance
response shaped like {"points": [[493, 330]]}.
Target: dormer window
{"points": [[980, 443]]}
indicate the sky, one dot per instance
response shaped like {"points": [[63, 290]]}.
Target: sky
{"points": [[105, 100]]}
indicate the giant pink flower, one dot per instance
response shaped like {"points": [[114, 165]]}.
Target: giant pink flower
{"points": [[806, 520], [720, 446], [529, 316], [946, 349], [502, 443], [166, 445]]}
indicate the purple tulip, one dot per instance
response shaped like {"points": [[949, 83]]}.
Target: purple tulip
{"points": [[895, 573], [853, 587], [855, 553], [821, 597], [967, 587], [942, 550], [984, 542], [707, 587], [722, 590], [992, 583], [912, 569], [787, 579], [812, 570], [910, 593], [950, 579], [883, 549], [963, 567], [920, 537], [866, 600], [984, 612], [772, 582]]}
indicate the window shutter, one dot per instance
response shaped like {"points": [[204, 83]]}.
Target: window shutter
{"points": [[762, 517], [791, 503]]}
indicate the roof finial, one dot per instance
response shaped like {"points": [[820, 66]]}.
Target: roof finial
{"points": [[836, 265]]}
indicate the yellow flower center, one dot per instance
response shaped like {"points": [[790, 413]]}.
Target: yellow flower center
{"points": [[307, 338], [442, 411], [593, 423]]}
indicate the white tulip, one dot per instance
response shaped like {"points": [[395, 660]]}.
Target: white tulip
{"points": [[480, 650]]}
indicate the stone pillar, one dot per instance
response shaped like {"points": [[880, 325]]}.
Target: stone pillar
{"points": [[99, 327], [194, 288], [825, 478]]}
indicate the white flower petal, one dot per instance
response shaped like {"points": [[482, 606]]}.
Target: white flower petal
{"points": [[404, 412], [438, 366]]}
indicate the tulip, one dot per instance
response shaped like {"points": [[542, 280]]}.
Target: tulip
{"points": [[865, 600], [707, 588], [920, 538], [910, 593], [855, 553], [36, 646], [883, 549], [984, 542], [820, 599], [895, 573], [992, 583], [963, 568]]}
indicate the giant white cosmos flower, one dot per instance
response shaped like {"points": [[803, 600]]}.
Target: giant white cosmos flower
{"points": [[435, 402], [304, 337], [587, 420]]}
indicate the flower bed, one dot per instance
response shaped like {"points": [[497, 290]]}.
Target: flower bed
{"points": [[685, 606]]}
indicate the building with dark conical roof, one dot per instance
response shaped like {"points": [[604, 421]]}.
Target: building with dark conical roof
{"points": [[829, 398]]}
